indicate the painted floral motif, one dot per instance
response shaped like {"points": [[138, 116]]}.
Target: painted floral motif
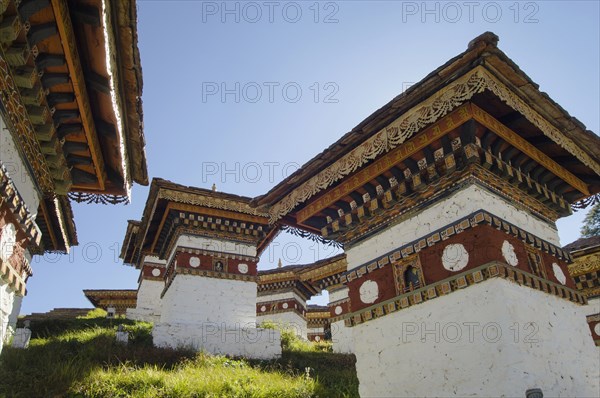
{"points": [[559, 274], [508, 252], [369, 292], [455, 257]]}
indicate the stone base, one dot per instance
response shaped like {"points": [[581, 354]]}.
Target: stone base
{"points": [[495, 338], [235, 341], [21, 338], [142, 314]]}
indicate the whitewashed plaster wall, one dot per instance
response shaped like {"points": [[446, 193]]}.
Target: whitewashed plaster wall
{"points": [[593, 306], [289, 320], [338, 294], [195, 299], [7, 297], [198, 242], [212, 314], [495, 338], [19, 174], [462, 203], [148, 295], [16, 310], [149, 304], [342, 338]]}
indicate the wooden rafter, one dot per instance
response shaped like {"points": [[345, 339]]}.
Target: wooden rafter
{"points": [[65, 29], [523, 145], [466, 112], [400, 153]]}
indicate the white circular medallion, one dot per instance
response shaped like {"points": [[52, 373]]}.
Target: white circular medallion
{"points": [[338, 310], [508, 252], [8, 241], [243, 268], [369, 292], [194, 262], [263, 308], [317, 338], [559, 274], [597, 329], [155, 272], [285, 305], [455, 257]]}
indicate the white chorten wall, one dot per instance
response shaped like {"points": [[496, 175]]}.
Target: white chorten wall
{"points": [[214, 314], [284, 309], [149, 303], [6, 306], [492, 338], [209, 300], [341, 336]]}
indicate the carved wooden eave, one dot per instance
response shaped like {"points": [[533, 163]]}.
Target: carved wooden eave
{"points": [[130, 252], [71, 95], [10, 195], [517, 120], [173, 210], [317, 316], [56, 221], [120, 300]]}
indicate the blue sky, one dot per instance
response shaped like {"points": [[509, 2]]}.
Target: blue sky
{"points": [[240, 94]]}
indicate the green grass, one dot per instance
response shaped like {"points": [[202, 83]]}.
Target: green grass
{"points": [[80, 358]]}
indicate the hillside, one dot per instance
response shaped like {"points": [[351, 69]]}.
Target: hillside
{"points": [[80, 358]]}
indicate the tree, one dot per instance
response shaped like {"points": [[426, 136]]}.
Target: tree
{"points": [[591, 223]]}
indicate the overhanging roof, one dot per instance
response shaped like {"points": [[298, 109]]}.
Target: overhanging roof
{"points": [[75, 67], [482, 52]]}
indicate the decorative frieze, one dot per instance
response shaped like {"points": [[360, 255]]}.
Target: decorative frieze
{"points": [[461, 281], [152, 272], [10, 197], [280, 306], [475, 166], [481, 217], [338, 309], [411, 122]]}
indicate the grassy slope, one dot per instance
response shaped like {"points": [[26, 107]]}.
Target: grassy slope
{"points": [[80, 358]]}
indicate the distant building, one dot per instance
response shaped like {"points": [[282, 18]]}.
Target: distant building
{"points": [[70, 126], [118, 300]]}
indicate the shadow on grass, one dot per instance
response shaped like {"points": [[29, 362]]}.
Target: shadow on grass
{"points": [[56, 361], [66, 353], [335, 373]]}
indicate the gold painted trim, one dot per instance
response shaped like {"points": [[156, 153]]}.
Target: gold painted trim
{"points": [[209, 201], [411, 122], [524, 146], [387, 161]]}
